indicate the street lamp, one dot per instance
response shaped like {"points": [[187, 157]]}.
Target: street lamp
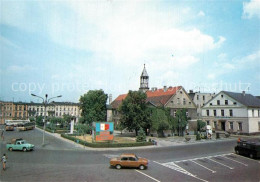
{"points": [[45, 102]]}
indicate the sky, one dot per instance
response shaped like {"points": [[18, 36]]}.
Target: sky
{"points": [[68, 47]]}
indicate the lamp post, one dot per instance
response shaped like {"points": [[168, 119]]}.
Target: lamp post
{"points": [[45, 102]]}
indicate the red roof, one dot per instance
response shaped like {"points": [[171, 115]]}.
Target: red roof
{"points": [[115, 104], [157, 97], [160, 97], [161, 92]]}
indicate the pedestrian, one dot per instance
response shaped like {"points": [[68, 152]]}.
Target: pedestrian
{"points": [[2, 135], [4, 161]]}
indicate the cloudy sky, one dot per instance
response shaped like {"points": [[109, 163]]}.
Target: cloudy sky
{"points": [[68, 47]]}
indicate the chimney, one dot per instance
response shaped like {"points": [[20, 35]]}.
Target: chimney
{"points": [[244, 93], [191, 91], [110, 98], [164, 88]]}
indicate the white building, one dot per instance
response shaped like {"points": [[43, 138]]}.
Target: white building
{"points": [[200, 99], [233, 112], [56, 109]]}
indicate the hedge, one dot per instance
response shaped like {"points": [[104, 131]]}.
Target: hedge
{"points": [[105, 145]]}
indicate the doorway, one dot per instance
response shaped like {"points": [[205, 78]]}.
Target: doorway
{"points": [[223, 125]]}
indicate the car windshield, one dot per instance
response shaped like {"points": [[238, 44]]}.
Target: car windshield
{"points": [[136, 157]]}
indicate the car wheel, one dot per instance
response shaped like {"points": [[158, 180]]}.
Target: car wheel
{"points": [[24, 149], [118, 166], [141, 167], [237, 152], [251, 156], [10, 149]]}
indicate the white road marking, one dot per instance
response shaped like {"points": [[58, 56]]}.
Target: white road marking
{"points": [[235, 161], [220, 163], [148, 176], [246, 157], [203, 166], [175, 167]]}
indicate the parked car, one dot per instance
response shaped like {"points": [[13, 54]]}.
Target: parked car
{"points": [[248, 148], [129, 160], [9, 127], [19, 144]]}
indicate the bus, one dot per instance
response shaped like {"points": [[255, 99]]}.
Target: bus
{"points": [[15, 122], [25, 126]]}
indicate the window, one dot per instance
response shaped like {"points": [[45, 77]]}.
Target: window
{"points": [[226, 102], [174, 113], [222, 96], [218, 102], [240, 126], [207, 122], [178, 100], [210, 104], [207, 112], [184, 101], [230, 112], [187, 113], [198, 97], [190, 103], [215, 124], [222, 113], [203, 97], [215, 112], [231, 125], [253, 112], [235, 103], [259, 126], [124, 159], [132, 159]]}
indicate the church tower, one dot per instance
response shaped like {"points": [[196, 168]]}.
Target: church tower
{"points": [[144, 81]]}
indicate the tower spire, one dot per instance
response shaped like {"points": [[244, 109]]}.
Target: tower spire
{"points": [[144, 81]]}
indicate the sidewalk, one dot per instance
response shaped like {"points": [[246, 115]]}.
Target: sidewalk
{"points": [[161, 142]]}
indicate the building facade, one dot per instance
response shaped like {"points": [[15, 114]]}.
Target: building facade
{"points": [[6, 111], [200, 99], [233, 112], [20, 110], [173, 98], [54, 109]]}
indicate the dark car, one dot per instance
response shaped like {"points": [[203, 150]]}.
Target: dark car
{"points": [[248, 148]]}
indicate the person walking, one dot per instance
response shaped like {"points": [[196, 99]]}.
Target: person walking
{"points": [[4, 158]]}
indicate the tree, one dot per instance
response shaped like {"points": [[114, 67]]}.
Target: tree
{"points": [[180, 121], [200, 125], [66, 119], [141, 137], [39, 120], [134, 112], [83, 128], [93, 106], [159, 120]]}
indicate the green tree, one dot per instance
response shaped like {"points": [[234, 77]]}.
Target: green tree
{"points": [[200, 124], [93, 106], [141, 137], [159, 120], [134, 112], [180, 121], [83, 128], [66, 119], [39, 120]]}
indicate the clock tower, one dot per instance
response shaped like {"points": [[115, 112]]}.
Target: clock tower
{"points": [[144, 81]]}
